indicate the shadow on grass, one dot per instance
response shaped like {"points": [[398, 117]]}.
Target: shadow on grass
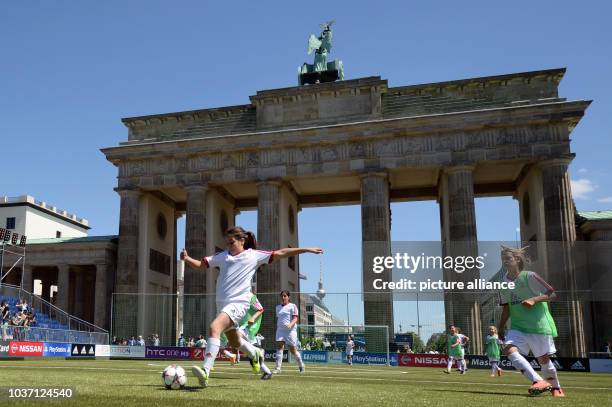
{"points": [[482, 392], [197, 389]]}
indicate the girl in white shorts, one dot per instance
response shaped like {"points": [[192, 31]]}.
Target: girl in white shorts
{"points": [[237, 266], [286, 331]]}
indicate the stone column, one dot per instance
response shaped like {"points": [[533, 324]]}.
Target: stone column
{"points": [[268, 238], [560, 232], [79, 294], [558, 205], [63, 286], [376, 241], [172, 334], [26, 278], [100, 299], [194, 308], [46, 288], [125, 304], [459, 238]]}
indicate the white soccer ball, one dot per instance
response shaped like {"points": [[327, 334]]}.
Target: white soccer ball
{"points": [[173, 377]]}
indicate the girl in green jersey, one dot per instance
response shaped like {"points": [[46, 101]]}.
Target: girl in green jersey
{"points": [[455, 350], [532, 327], [493, 352]]}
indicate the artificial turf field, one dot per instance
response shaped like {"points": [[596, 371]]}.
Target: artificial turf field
{"points": [[138, 383]]}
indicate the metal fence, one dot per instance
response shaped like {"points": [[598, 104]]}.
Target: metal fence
{"points": [[53, 324], [21, 333], [424, 316], [47, 314]]}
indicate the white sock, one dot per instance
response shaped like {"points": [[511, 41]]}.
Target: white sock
{"points": [[228, 353], [264, 368], [549, 372], [298, 358], [247, 348], [449, 364], [521, 364], [238, 356], [494, 367], [279, 359], [212, 350]]}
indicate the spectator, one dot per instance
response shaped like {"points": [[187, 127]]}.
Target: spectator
{"points": [[140, 341], [155, 340], [191, 342], [22, 305], [114, 341], [4, 318], [181, 341], [201, 342], [132, 341], [31, 319]]}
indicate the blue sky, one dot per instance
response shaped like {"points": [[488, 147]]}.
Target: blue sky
{"points": [[69, 71]]}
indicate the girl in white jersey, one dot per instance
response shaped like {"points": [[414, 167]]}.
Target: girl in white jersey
{"points": [[286, 331], [350, 345], [237, 266]]}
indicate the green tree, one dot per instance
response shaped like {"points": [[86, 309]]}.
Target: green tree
{"points": [[437, 342], [417, 343]]}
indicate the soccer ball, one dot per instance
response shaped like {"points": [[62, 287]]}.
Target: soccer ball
{"points": [[173, 377]]}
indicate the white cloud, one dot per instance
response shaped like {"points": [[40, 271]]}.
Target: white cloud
{"points": [[582, 170], [607, 199], [582, 187]]}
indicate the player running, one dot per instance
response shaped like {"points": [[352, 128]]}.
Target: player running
{"points": [[493, 352], [350, 345], [454, 350], [532, 327], [237, 266], [286, 331], [464, 341]]}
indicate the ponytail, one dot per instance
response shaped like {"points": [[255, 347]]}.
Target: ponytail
{"points": [[249, 241]]}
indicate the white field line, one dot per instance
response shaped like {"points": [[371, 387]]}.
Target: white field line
{"points": [[306, 376], [292, 368]]}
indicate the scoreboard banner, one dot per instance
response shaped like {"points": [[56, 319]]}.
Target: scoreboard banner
{"points": [[422, 360], [124, 351], [4, 348], [55, 349], [85, 350], [315, 356], [103, 350], [562, 364], [270, 355], [167, 352], [18, 348]]}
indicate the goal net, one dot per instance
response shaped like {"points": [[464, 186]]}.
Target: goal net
{"points": [[367, 338]]}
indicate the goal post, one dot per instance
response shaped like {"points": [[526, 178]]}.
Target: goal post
{"points": [[367, 338]]}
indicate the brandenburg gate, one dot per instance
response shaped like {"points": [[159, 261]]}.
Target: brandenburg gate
{"points": [[344, 142]]}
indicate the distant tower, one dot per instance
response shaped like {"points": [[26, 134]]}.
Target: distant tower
{"points": [[321, 290]]}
